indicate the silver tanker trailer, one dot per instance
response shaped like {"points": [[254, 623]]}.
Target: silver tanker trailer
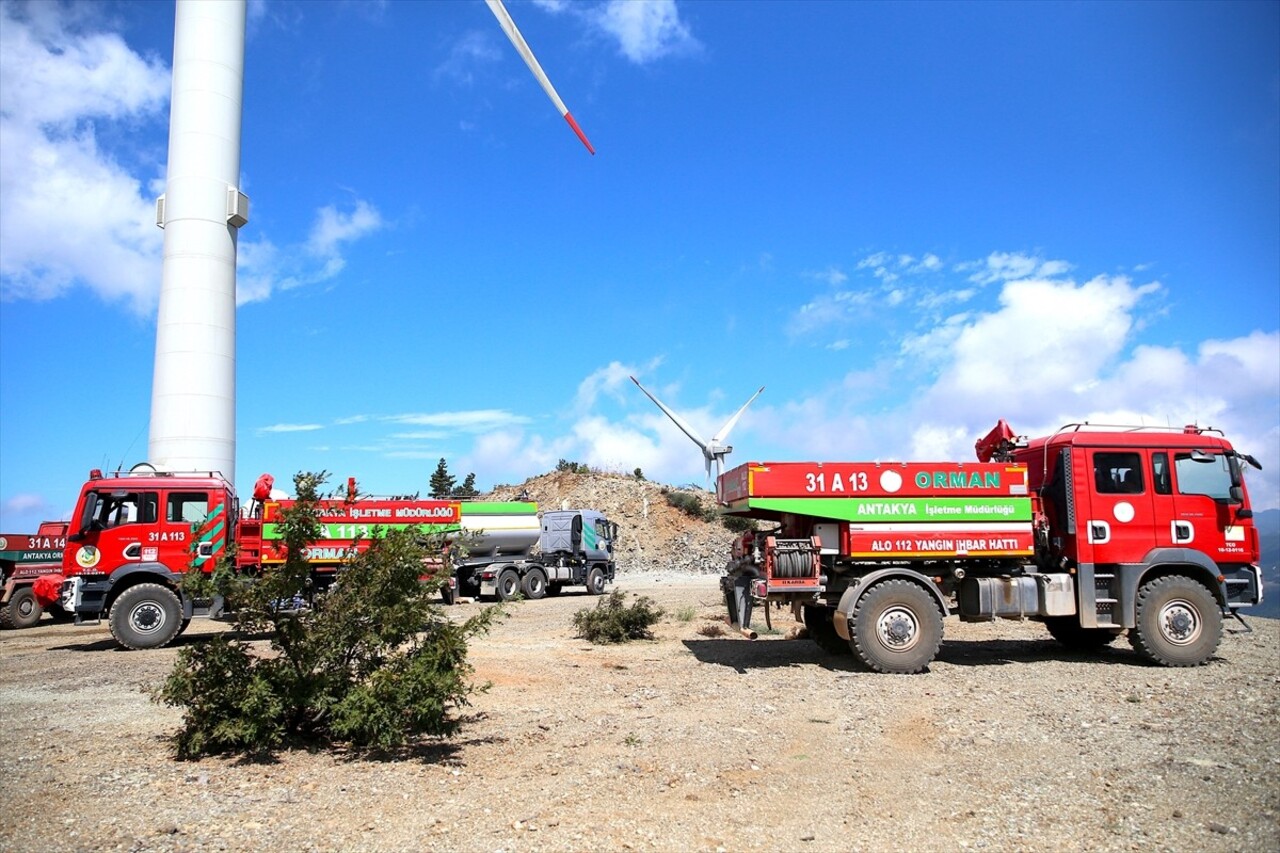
{"points": [[509, 549]]}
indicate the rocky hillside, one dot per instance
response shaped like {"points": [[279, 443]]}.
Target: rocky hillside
{"points": [[654, 535]]}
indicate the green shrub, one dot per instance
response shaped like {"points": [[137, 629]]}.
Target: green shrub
{"points": [[372, 663], [689, 504], [611, 622], [737, 524]]}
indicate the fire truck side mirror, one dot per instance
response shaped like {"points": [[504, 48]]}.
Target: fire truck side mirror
{"points": [[1236, 495]]}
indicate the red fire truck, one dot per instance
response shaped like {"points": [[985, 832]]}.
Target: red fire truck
{"points": [[133, 536], [1095, 531], [24, 558]]}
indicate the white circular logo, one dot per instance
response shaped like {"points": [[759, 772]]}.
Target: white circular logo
{"points": [[4, 544], [88, 556], [1123, 512], [890, 481]]}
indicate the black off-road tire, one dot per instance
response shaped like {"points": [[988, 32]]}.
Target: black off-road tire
{"points": [[57, 614], [508, 584], [1068, 631], [146, 616], [595, 581], [1179, 622], [534, 584], [896, 628], [817, 621], [23, 609]]}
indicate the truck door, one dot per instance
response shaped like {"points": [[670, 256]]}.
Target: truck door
{"points": [[1120, 520], [195, 530], [114, 527]]}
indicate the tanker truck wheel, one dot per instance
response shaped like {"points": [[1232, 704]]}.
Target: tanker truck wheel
{"points": [[595, 581], [508, 584], [817, 621], [535, 584], [896, 627], [146, 616], [1179, 622], [22, 611]]}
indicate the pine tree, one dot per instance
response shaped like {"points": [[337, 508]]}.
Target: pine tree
{"points": [[442, 481], [468, 487]]}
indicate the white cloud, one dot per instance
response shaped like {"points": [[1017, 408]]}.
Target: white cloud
{"points": [[476, 420], [832, 275], [290, 428], [609, 379], [262, 268], [645, 31], [473, 48], [70, 213], [1010, 266]]}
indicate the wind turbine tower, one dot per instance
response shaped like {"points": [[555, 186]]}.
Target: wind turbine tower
{"points": [[715, 450], [193, 392]]}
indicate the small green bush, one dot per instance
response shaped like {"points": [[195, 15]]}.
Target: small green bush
{"points": [[737, 524], [573, 467], [690, 505], [612, 622], [372, 663]]}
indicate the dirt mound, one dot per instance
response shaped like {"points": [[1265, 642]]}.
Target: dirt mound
{"points": [[654, 534]]}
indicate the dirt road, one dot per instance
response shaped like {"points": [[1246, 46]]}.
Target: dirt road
{"points": [[688, 742]]}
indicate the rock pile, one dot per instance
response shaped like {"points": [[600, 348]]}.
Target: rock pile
{"points": [[654, 535]]}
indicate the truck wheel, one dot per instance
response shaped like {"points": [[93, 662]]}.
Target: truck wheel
{"points": [[146, 616], [896, 627], [595, 581], [59, 615], [817, 621], [1178, 622], [22, 611], [508, 584], [1068, 631], [535, 584]]}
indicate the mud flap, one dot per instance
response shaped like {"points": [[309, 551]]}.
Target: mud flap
{"points": [[737, 598]]}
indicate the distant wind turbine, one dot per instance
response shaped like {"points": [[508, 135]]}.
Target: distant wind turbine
{"points": [[712, 451]]}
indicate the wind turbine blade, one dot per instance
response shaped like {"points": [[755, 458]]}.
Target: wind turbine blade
{"points": [[724, 430], [522, 47], [684, 427]]}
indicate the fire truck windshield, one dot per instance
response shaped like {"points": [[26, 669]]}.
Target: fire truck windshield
{"points": [[1213, 476]]}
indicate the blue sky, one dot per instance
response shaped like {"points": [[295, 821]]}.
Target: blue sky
{"points": [[904, 220]]}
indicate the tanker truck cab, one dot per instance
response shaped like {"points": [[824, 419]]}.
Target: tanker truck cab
{"points": [[132, 539]]}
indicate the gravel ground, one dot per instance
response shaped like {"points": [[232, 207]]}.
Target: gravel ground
{"points": [[686, 742]]}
